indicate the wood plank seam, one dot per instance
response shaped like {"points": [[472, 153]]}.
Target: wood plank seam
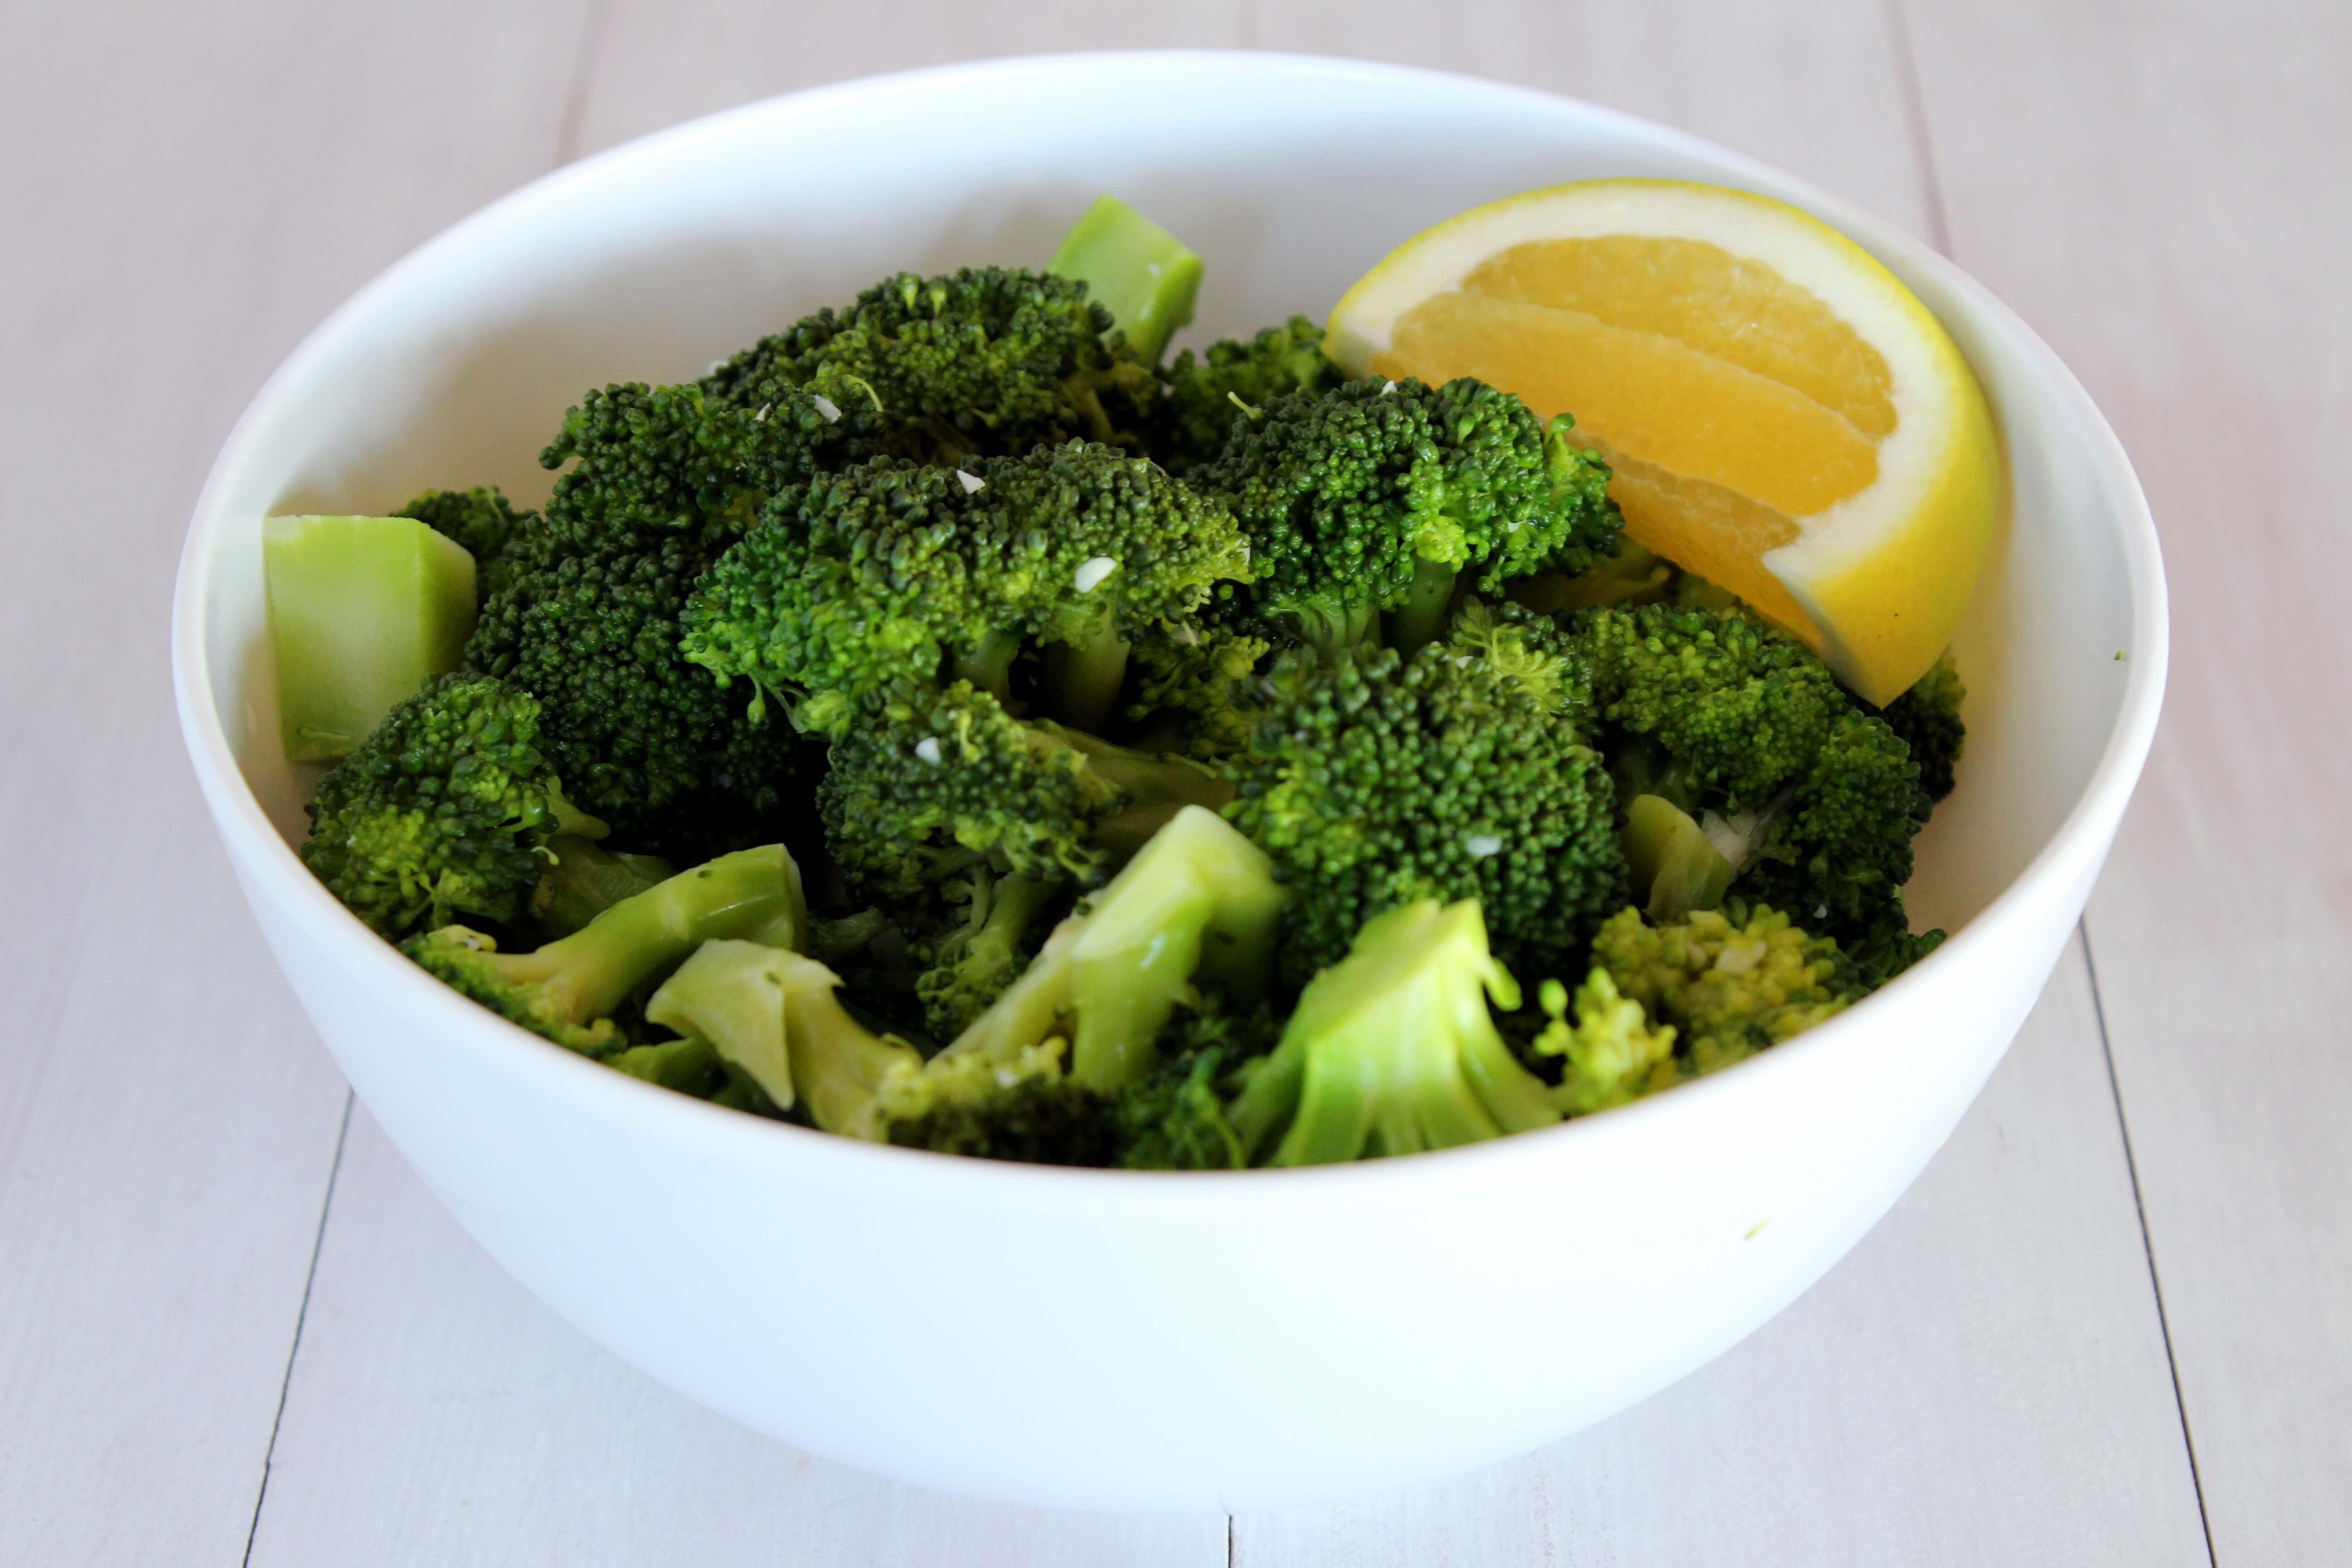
{"points": [[594, 28], [293, 1351], [1915, 113], [2155, 1279]]}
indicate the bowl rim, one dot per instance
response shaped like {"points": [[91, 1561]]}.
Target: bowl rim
{"points": [[2073, 851]]}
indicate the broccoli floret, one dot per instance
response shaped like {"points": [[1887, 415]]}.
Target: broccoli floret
{"points": [[985, 360], [1392, 1051], [1820, 800], [892, 572], [1927, 716], [1189, 684], [1175, 1118], [1201, 399], [1612, 1054], [567, 989], [934, 780], [1031, 1111], [1376, 496], [1731, 981], [731, 993], [446, 809], [587, 622], [972, 964], [482, 519], [1377, 782]]}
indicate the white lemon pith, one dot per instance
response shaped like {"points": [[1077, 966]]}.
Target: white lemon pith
{"points": [[1783, 416]]}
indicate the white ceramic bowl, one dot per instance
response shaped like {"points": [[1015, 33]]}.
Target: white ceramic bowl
{"points": [[1103, 1339]]}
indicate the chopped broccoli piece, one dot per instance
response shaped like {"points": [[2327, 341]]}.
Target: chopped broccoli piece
{"points": [[731, 993], [986, 360], [1378, 782], [582, 880], [663, 481], [1392, 1051], [1750, 722], [689, 1066], [972, 964], [481, 520], [1202, 400], [1927, 716], [1175, 1117], [1730, 981], [1142, 273], [568, 989], [891, 572], [1612, 1054], [1676, 867], [446, 809], [936, 780], [361, 611], [1374, 498]]}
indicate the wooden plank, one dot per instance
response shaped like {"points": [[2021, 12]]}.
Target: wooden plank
{"points": [[661, 62], [440, 1415], [190, 189], [1983, 1380], [2161, 190]]}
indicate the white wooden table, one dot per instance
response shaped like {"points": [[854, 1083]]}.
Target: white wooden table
{"points": [[2111, 1324]]}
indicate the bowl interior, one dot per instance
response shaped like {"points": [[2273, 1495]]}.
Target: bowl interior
{"points": [[1291, 177]]}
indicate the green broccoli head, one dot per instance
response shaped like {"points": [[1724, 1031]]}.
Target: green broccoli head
{"points": [[1927, 716], [933, 780], [567, 989], [974, 960], [892, 572], [482, 519], [1177, 1117], [1612, 1054], [985, 360], [1375, 496], [1203, 398], [445, 810], [1377, 782], [1394, 1050], [1756, 730], [1190, 683], [587, 621], [1731, 981]]}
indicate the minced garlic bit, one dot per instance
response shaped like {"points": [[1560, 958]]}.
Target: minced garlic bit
{"points": [[973, 483], [826, 406], [1090, 577], [1389, 388], [927, 748], [1483, 845], [1740, 957]]}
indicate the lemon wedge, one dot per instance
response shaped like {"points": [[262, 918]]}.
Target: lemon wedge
{"points": [[1784, 417]]}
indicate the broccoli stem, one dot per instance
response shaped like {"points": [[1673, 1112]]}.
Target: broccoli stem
{"points": [[838, 1065], [753, 893], [1332, 630], [1142, 274], [988, 664], [1012, 904], [1422, 618], [362, 610], [1083, 678], [1156, 787], [1675, 868], [1199, 900], [584, 880], [731, 995]]}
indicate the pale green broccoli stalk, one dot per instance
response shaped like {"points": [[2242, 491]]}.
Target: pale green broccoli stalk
{"points": [[363, 610], [582, 880], [1674, 866], [731, 993], [1730, 986], [837, 1065], [1199, 902], [1392, 1051], [567, 989], [1137, 270], [1612, 1054]]}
